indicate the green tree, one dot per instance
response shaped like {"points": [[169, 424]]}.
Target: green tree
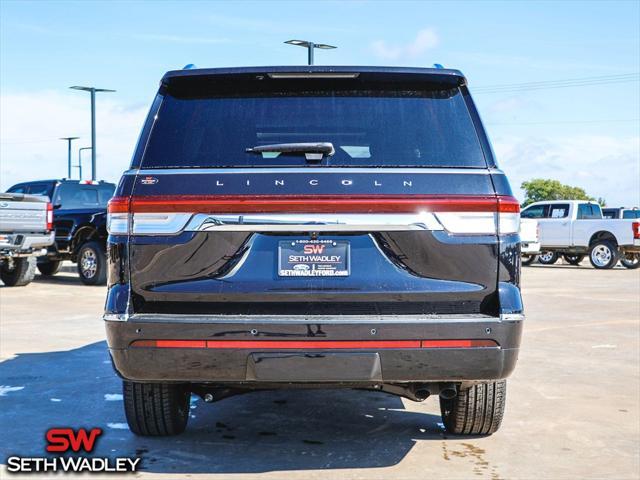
{"points": [[539, 189]]}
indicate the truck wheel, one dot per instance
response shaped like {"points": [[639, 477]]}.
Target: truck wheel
{"points": [[603, 254], [573, 259], [548, 258], [529, 259], [20, 273], [49, 267], [92, 264], [630, 260], [156, 409], [475, 411]]}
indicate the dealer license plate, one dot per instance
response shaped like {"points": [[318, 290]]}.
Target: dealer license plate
{"points": [[313, 258]]}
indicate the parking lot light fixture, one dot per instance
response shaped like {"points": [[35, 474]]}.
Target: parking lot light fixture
{"points": [[93, 91], [69, 140], [310, 46]]}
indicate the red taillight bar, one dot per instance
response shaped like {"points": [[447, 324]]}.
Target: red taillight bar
{"points": [[314, 204], [636, 229], [508, 204], [49, 216], [314, 344], [118, 205]]}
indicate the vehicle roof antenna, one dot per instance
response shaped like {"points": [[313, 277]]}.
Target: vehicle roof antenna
{"points": [[189, 66], [438, 66]]}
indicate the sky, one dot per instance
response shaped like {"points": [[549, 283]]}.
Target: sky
{"points": [[579, 125]]}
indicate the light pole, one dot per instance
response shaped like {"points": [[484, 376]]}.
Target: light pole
{"points": [[310, 46], [69, 140], [80, 161], [93, 91]]}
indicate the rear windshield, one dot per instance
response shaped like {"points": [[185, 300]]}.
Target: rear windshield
{"points": [[41, 188], [78, 196], [414, 128]]}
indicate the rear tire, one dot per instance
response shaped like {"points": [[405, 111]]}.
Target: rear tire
{"points": [[630, 260], [548, 258], [475, 411], [156, 409], [49, 267], [573, 259], [92, 264], [603, 255], [529, 259], [22, 273]]}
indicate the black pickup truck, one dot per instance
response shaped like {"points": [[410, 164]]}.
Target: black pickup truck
{"points": [[306, 227], [79, 220]]}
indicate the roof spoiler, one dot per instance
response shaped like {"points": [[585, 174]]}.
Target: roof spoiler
{"points": [[435, 75]]}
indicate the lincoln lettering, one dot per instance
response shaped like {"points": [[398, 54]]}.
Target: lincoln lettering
{"points": [[278, 182]]}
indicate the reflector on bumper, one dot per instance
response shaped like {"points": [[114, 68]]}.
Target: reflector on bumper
{"points": [[315, 344]]}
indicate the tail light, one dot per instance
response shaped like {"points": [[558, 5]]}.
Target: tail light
{"points": [[458, 214], [636, 230], [118, 216], [49, 216], [508, 215]]}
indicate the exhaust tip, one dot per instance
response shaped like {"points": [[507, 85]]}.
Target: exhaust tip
{"points": [[448, 392], [422, 393]]}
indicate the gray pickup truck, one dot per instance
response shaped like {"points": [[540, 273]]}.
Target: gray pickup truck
{"points": [[26, 229]]}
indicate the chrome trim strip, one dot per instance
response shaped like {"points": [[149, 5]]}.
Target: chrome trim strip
{"points": [[116, 317], [159, 223], [313, 319], [512, 317], [260, 170], [306, 222]]}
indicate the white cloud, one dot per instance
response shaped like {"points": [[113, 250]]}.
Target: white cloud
{"points": [[426, 39], [31, 123], [508, 105], [272, 24], [605, 166]]}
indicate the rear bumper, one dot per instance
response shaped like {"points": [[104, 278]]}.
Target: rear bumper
{"points": [[21, 244], [386, 361], [530, 248]]}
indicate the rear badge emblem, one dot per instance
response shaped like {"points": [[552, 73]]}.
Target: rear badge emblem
{"points": [[4, 205], [148, 180]]}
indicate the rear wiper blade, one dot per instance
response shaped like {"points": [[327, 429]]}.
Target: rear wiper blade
{"points": [[311, 150]]}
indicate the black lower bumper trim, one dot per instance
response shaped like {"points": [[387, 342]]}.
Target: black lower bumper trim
{"points": [[206, 365]]}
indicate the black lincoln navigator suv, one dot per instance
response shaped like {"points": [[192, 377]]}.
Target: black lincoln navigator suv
{"points": [[313, 227]]}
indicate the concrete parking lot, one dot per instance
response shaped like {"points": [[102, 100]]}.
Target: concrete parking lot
{"points": [[572, 412]]}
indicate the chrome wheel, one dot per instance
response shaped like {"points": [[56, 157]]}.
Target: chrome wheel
{"points": [[88, 263], [546, 256], [601, 255]]}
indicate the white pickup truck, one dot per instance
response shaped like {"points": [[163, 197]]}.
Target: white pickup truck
{"points": [[574, 229], [26, 229]]}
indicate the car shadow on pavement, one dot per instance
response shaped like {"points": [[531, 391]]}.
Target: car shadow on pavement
{"points": [[58, 279], [586, 266], [251, 433]]}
